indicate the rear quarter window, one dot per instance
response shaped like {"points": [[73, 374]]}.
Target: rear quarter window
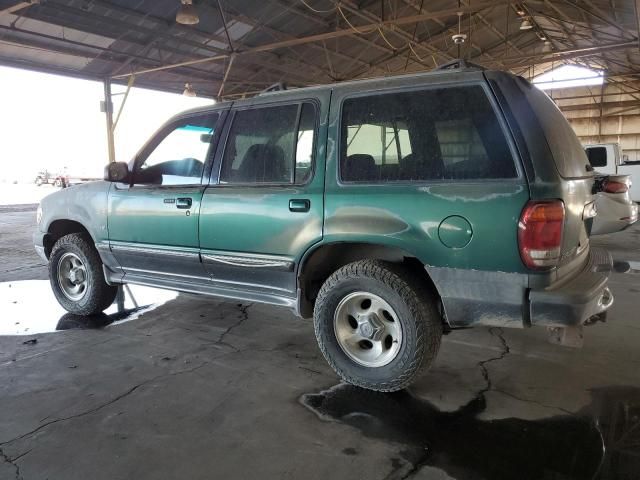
{"points": [[449, 133], [568, 153]]}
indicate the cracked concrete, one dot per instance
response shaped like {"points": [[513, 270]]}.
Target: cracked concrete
{"points": [[12, 462], [203, 388], [498, 333]]}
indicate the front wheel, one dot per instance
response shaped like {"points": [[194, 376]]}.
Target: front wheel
{"points": [[77, 279], [377, 325]]}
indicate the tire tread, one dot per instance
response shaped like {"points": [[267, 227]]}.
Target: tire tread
{"points": [[101, 294], [418, 297]]}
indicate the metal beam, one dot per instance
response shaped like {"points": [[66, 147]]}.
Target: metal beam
{"points": [[108, 110], [327, 35], [526, 59], [600, 105], [19, 6]]}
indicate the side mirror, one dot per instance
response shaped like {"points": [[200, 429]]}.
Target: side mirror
{"points": [[117, 172]]}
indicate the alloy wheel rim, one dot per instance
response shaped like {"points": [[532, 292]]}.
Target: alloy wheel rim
{"points": [[368, 329], [72, 276]]}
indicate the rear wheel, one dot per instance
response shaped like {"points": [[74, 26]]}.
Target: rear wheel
{"points": [[77, 279], [377, 325]]}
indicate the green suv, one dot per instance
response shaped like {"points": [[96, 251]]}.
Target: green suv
{"points": [[390, 210]]}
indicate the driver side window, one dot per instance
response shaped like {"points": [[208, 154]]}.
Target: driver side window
{"points": [[180, 156]]}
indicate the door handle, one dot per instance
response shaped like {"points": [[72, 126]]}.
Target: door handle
{"points": [[184, 202], [299, 205]]}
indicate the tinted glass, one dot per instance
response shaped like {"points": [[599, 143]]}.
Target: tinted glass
{"points": [[568, 154], [597, 156], [180, 156], [449, 133], [264, 146]]}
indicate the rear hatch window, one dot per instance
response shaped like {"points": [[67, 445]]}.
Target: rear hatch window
{"points": [[568, 153]]}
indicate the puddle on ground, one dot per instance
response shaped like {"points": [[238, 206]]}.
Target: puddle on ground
{"points": [[28, 307], [621, 266], [600, 442]]}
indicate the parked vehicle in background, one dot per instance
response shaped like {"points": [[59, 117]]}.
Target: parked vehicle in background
{"points": [[44, 177], [616, 210], [64, 181], [608, 158], [389, 210]]}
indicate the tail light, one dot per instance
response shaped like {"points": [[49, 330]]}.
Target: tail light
{"points": [[540, 233], [611, 186]]}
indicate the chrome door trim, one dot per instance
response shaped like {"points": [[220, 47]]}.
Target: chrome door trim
{"points": [[248, 285], [155, 250], [250, 260], [165, 274]]}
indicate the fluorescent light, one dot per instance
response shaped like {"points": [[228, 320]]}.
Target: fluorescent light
{"points": [[188, 90], [526, 25], [187, 14]]}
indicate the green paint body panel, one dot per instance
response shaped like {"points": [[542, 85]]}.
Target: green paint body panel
{"points": [[408, 218], [146, 215]]}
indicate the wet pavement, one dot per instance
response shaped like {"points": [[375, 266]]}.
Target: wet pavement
{"points": [[200, 388], [29, 307]]}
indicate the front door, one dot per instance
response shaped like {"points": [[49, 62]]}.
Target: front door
{"points": [[265, 209], [153, 223]]}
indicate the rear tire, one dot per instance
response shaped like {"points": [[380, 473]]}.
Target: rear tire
{"points": [[405, 327], [76, 276]]}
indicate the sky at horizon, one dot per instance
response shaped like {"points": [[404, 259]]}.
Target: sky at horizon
{"points": [[51, 121]]}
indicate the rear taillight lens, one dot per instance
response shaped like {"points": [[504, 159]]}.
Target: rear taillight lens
{"points": [[540, 233], [611, 186]]}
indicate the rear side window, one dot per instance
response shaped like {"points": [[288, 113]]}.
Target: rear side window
{"points": [[270, 145], [437, 134]]}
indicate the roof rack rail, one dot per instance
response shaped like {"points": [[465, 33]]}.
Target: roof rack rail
{"points": [[276, 87], [459, 63]]}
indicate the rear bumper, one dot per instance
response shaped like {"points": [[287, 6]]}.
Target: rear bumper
{"points": [[614, 216], [575, 301]]}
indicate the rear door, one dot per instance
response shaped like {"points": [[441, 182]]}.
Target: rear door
{"points": [[264, 207]]}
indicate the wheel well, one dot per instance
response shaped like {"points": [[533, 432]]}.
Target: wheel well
{"points": [[326, 259], [59, 229]]}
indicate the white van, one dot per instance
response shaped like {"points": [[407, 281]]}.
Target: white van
{"points": [[608, 158]]}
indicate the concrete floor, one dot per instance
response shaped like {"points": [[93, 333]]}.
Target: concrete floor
{"points": [[203, 388]]}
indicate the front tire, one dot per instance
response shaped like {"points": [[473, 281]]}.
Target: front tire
{"points": [[377, 325], [76, 276]]}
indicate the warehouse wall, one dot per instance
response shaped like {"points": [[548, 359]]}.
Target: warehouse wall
{"points": [[616, 119]]}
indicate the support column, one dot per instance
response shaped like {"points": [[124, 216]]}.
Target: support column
{"points": [[108, 110]]}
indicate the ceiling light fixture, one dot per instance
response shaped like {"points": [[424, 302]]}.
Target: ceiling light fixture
{"points": [[526, 25], [187, 14], [188, 90], [547, 47]]}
